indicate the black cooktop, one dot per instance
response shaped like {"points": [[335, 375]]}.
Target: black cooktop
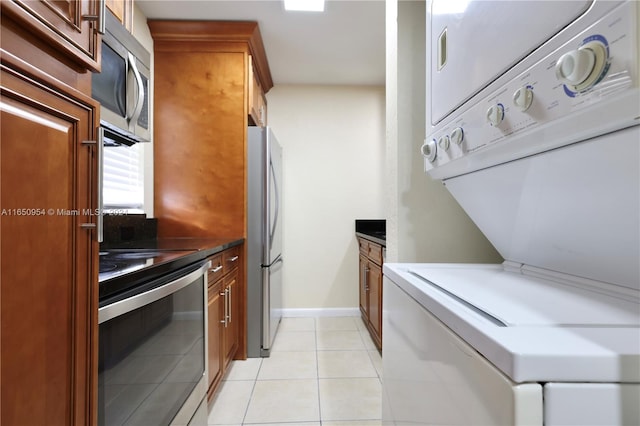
{"points": [[122, 269]]}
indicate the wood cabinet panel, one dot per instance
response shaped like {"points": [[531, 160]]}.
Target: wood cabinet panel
{"points": [[257, 101], [66, 25], [214, 350], [370, 287], [374, 281], [231, 330], [199, 150], [123, 11], [364, 295], [225, 314], [49, 269]]}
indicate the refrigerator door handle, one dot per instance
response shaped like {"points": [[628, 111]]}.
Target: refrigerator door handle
{"points": [[277, 260], [277, 195]]}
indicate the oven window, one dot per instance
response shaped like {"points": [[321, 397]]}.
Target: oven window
{"points": [[109, 86], [151, 359]]}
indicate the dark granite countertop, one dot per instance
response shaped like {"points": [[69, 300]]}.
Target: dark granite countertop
{"points": [[204, 247], [195, 250], [373, 230]]}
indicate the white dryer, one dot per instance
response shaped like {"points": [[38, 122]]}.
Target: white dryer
{"points": [[533, 125]]}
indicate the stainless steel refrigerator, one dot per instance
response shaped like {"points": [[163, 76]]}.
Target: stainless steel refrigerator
{"points": [[264, 240]]}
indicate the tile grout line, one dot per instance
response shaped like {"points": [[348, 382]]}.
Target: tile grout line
{"points": [[255, 381], [315, 327]]}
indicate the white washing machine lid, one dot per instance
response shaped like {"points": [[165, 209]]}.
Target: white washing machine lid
{"points": [[532, 329], [516, 300]]}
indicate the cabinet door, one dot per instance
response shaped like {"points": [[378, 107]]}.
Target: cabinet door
{"points": [[214, 316], [232, 329], [257, 101], [374, 281], [123, 11], [364, 299], [49, 276], [69, 26]]}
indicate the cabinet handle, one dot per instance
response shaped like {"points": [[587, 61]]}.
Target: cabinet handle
{"points": [[366, 275], [229, 304], [102, 20], [225, 315], [99, 17], [99, 225], [216, 269], [233, 259]]}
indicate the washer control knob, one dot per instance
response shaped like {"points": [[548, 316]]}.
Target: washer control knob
{"points": [[495, 114], [443, 142], [457, 136], [430, 150], [522, 98], [575, 67]]}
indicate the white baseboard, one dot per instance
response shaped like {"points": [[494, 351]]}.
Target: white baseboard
{"points": [[321, 312]]}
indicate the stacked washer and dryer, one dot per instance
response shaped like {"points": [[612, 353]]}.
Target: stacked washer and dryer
{"points": [[533, 124]]}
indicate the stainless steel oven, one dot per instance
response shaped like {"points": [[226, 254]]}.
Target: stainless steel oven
{"points": [[152, 351]]}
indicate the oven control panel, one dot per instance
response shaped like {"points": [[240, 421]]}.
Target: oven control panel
{"points": [[587, 87]]}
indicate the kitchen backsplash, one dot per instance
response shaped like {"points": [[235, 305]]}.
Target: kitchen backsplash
{"points": [[129, 227]]}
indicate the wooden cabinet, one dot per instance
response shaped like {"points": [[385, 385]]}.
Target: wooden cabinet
{"points": [[68, 27], [203, 77], [203, 72], [215, 314], [49, 250], [123, 11], [370, 288], [257, 100], [223, 310]]}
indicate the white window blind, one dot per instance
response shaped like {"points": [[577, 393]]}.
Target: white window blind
{"points": [[123, 177]]}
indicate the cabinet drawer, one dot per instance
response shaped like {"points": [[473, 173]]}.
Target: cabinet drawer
{"points": [[231, 259], [375, 253], [364, 246], [217, 269]]}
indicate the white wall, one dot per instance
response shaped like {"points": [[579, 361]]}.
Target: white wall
{"points": [[333, 149], [424, 222]]}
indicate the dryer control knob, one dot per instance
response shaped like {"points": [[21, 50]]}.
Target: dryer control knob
{"points": [[457, 135], [429, 150], [574, 67], [522, 98], [495, 114], [443, 142]]}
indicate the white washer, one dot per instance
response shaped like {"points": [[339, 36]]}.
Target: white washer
{"points": [[540, 103]]}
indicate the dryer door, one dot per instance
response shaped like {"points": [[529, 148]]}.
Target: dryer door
{"points": [[474, 42]]}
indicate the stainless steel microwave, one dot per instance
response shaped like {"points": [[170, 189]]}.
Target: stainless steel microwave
{"points": [[122, 87]]}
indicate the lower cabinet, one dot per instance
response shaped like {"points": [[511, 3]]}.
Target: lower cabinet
{"points": [[222, 312], [49, 250], [371, 288]]}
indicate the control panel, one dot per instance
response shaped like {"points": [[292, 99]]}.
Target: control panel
{"points": [[586, 73]]}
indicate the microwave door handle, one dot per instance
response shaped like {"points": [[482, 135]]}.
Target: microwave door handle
{"points": [[139, 93]]}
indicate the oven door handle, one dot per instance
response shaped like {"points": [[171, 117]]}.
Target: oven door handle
{"points": [[139, 300]]}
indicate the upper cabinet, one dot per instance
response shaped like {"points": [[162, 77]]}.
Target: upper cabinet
{"points": [[70, 27], [257, 100], [123, 11], [206, 75]]}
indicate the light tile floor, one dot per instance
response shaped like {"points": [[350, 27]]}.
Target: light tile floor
{"points": [[322, 371]]}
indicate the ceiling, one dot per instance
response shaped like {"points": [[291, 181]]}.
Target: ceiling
{"points": [[344, 45]]}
